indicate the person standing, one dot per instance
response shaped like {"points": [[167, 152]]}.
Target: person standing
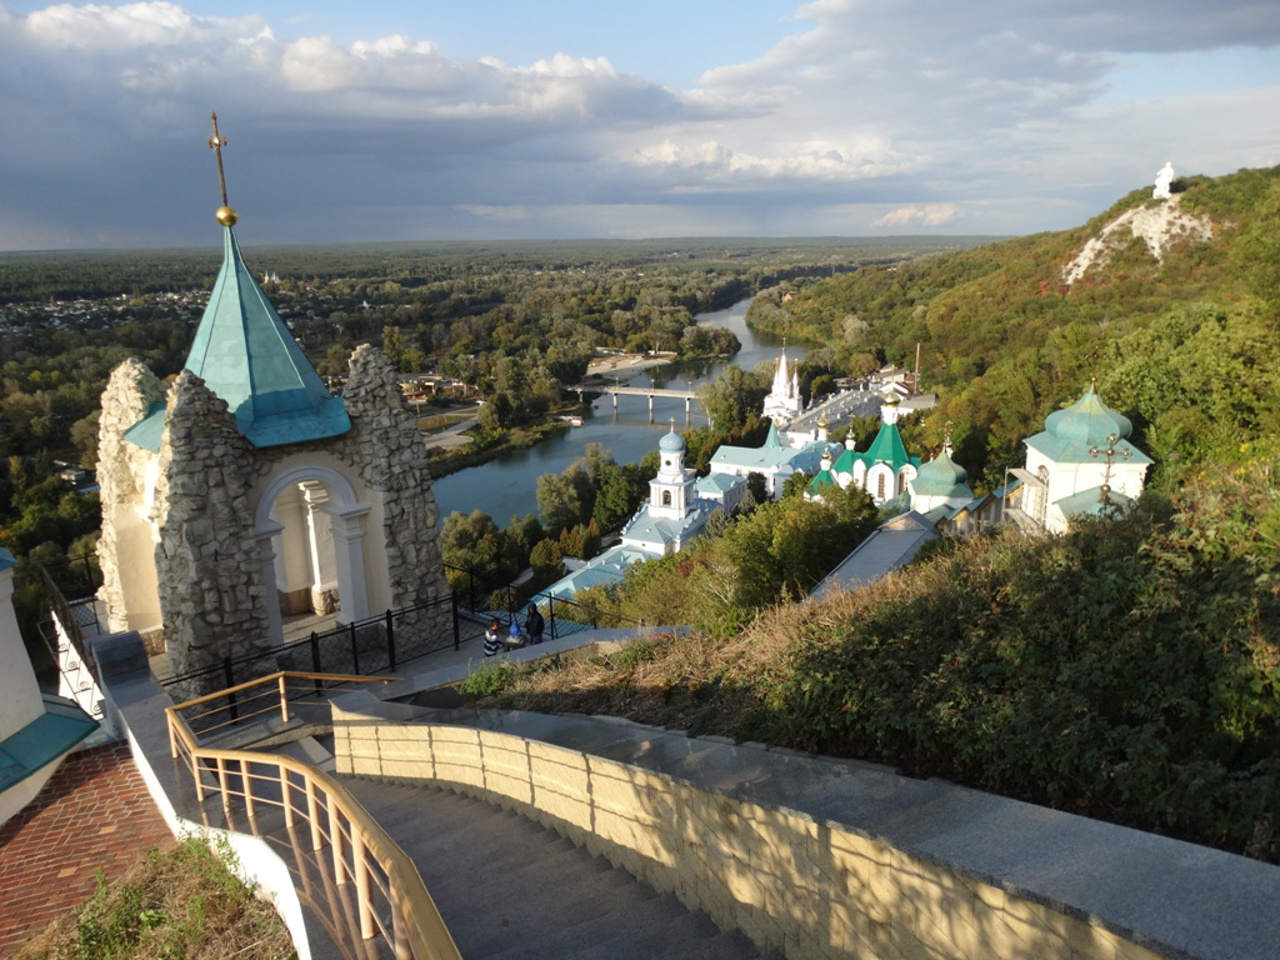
{"points": [[493, 639], [534, 625]]}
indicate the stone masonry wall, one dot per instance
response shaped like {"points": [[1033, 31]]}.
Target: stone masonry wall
{"points": [[385, 447], [792, 883], [130, 392], [210, 577]]}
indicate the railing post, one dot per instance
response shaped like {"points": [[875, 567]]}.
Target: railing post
{"points": [[286, 796], [335, 841], [315, 653], [246, 783], [313, 816], [284, 701], [363, 901], [457, 634], [551, 614], [399, 932], [229, 675], [355, 654], [391, 640]]}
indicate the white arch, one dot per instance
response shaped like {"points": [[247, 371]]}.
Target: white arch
{"points": [[347, 513]]}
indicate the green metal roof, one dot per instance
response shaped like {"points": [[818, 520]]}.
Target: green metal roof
{"points": [[887, 447], [942, 477], [246, 355], [1078, 433], [62, 725]]}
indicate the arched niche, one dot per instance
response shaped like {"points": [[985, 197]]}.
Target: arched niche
{"points": [[309, 525]]}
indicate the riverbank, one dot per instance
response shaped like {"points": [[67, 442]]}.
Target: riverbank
{"points": [[445, 460], [624, 366]]}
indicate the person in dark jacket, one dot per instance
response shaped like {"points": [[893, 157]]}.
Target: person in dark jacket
{"points": [[534, 625]]}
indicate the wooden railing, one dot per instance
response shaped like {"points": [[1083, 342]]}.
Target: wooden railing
{"points": [[392, 901]]}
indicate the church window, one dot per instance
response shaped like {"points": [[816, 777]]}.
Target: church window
{"points": [[666, 498], [880, 487]]}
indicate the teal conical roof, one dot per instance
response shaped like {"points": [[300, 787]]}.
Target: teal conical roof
{"points": [[888, 448], [246, 355]]}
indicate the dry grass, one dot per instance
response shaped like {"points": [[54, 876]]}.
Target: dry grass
{"points": [[179, 903]]}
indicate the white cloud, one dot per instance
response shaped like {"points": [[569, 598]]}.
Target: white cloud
{"points": [[929, 215], [874, 113]]}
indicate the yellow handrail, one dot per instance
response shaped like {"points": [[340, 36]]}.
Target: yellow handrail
{"points": [[416, 930]]}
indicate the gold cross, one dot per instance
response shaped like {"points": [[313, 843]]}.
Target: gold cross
{"points": [[216, 143]]}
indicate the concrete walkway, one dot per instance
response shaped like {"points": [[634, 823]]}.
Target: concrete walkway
{"points": [[95, 812]]}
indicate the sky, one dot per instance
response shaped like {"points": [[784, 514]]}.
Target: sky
{"points": [[494, 119]]}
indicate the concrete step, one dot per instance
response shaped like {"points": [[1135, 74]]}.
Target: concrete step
{"points": [[509, 888], [310, 750]]}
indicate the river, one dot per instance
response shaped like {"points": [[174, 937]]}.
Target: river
{"points": [[506, 487]]}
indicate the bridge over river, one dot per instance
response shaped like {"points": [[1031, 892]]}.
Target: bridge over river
{"points": [[616, 391]]}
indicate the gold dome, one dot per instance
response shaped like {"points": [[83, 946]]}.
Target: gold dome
{"points": [[226, 216]]}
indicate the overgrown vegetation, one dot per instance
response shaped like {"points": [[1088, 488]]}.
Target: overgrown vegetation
{"points": [[1128, 670], [177, 904]]}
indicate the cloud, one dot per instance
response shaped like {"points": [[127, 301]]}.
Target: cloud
{"points": [[869, 114], [930, 215]]}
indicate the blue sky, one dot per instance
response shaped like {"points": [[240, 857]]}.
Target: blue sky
{"points": [[569, 118]]}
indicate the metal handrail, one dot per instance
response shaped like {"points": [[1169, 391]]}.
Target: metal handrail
{"points": [[362, 851]]}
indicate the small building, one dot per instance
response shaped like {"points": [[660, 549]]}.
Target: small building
{"points": [[1081, 463]]}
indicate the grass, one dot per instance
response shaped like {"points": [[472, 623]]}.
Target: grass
{"points": [[184, 903]]}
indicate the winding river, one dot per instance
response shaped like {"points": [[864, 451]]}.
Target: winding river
{"points": [[506, 487]]}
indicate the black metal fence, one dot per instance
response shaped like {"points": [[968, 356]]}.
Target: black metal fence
{"points": [[487, 598], [378, 645]]}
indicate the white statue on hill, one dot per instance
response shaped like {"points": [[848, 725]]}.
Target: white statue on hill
{"points": [[1164, 180]]}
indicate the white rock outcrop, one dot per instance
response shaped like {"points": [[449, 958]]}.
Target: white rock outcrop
{"points": [[1158, 225]]}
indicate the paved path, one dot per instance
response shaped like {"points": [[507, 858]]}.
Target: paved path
{"points": [[94, 812]]}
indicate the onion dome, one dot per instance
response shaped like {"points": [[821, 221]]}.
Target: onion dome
{"points": [[941, 477], [1088, 421], [671, 442]]}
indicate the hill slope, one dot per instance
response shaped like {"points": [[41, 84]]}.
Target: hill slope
{"points": [[1178, 322]]}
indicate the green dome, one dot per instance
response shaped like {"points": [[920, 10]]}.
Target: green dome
{"points": [[1088, 421], [941, 477]]}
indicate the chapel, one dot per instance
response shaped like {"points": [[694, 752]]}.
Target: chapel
{"points": [[243, 492]]}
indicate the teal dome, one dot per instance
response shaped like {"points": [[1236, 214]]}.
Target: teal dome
{"points": [[941, 477], [1088, 421], [671, 442]]}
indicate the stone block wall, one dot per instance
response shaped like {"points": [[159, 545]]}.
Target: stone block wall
{"points": [[792, 883]]}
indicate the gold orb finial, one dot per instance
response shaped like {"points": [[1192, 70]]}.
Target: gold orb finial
{"points": [[226, 216]]}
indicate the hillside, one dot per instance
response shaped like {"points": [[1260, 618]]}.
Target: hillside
{"points": [[1128, 670], [1176, 320]]}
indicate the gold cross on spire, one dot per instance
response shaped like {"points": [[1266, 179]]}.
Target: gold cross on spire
{"points": [[226, 216]]}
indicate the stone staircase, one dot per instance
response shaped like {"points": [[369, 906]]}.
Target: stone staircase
{"points": [[509, 888]]}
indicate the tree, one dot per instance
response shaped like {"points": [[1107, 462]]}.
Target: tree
{"points": [[547, 562], [559, 503]]}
